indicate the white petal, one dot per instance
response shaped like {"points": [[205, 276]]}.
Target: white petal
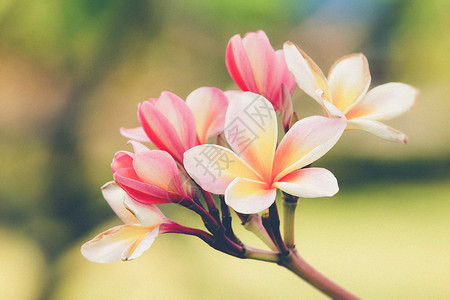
{"points": [[308, 75], [309, 183], [120, 242], [306, 141], [385, 102], [349, 80], [249, 196], [378, 129], [115, 196], [214, 167], [251, 130]]}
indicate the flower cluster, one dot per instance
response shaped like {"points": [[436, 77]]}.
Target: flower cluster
{"points": [[220, 151]]}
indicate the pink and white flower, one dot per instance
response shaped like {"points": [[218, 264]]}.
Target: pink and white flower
{"points": [[250, 174], [174, 125], [149, 176], [344, 92], [142, 224], [255, 66]]}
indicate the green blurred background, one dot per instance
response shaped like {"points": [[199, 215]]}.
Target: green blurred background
{"points": [[73, 71]]}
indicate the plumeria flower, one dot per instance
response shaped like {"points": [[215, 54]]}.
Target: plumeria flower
{"points": [[344, 92], [142, 224], [255, 66], [149, 176], [250, 174], [174, 125]]}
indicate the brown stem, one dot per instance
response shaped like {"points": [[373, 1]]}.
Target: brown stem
{"points": [[274, 221], [226, 220], [301, 268]]}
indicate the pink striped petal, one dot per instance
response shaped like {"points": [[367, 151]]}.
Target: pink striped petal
{"points": [[309, 183], [138, 147], [287, 109], [160, 131], [158, 168], [284, 78], [263, 62], [379, 129], [287, 77], [308, 75], [349, 80], [209, 106], [251, 131], [385, 102], [137, 134], [141, 191], [238, 65], [180, 116], [122, 159], [249, 196], [125, 242], [308, 140], [214, 167]]}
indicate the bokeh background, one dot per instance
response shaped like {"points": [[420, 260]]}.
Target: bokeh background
{"points": [[72, 73]]}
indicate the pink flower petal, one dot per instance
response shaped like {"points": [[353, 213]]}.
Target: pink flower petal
{"points": [[214, 167], [251, 131], [122, 159], [238, 65], [137, 134], [263, 63], [308, 140], [124, 242], [209, 106], [249, 196], [286, 80], [138, 147], [158, 168], [138, 190], [349, 80], [385, 102], [160, 131], [308, 75], [309, 183], [286, 108], [379, 129], [180, 116]]}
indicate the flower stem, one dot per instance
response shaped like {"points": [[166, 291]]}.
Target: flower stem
{"points": [[274, 222], [295, 263], [254, 224], [227, 221], [258, 254], [289, 206]]}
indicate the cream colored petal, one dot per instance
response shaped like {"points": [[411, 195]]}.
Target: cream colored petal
{"points": [[379, 129], [209, 106], [308, 75], [116, 196], [214, 167], [146, 214], [249, 196], [309, 183], [308, 140], [251, 131], [349, 80], [123, 242], [385, 102]]}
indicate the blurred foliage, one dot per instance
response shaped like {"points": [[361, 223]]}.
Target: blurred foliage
{"points": [[73, 72]]}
